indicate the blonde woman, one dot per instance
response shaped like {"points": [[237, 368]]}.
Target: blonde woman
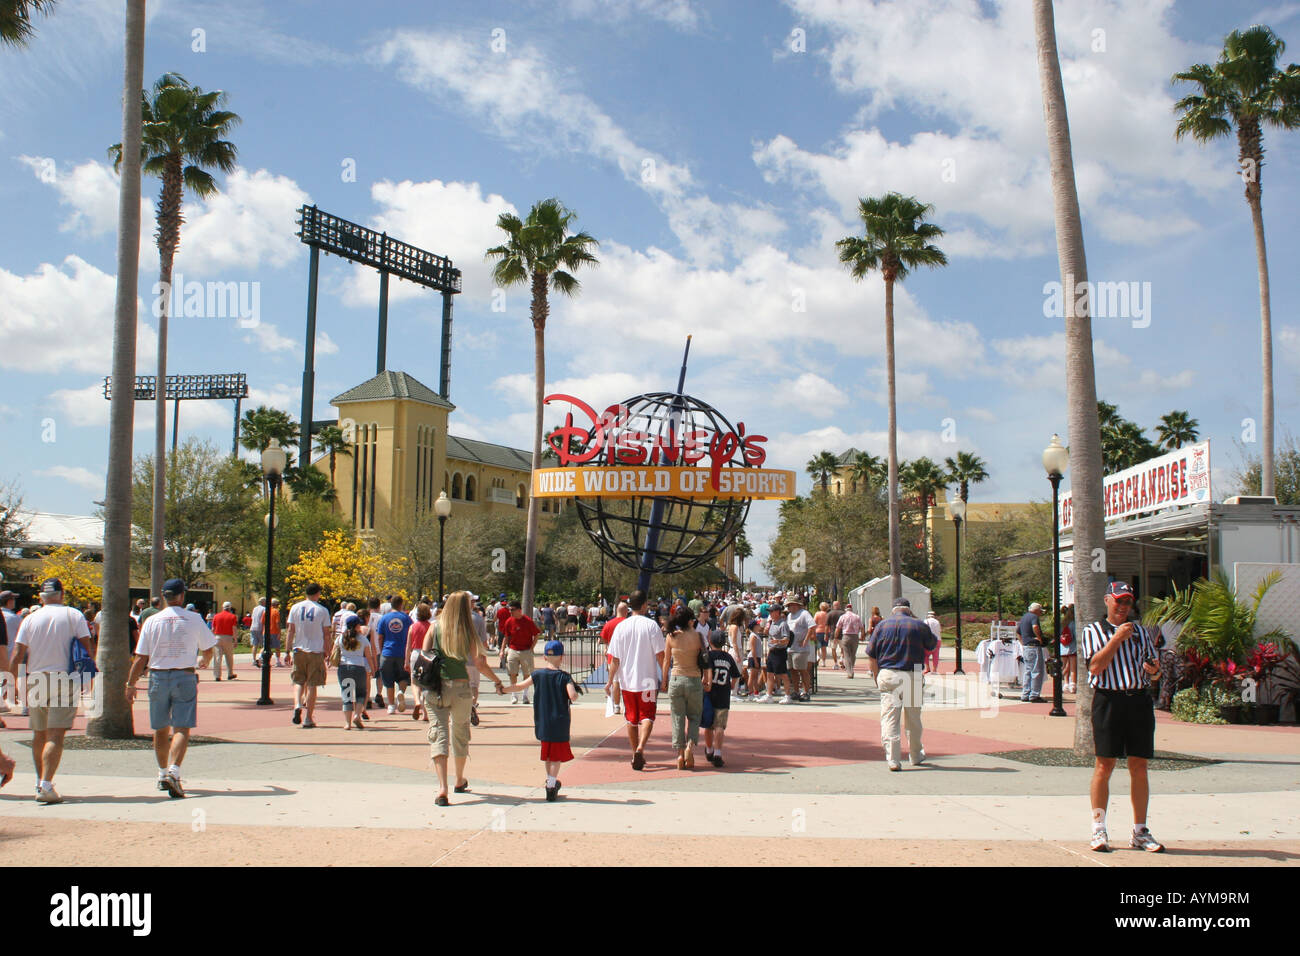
{"points": [[454, 636]]}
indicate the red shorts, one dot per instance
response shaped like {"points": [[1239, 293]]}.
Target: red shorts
{"points": [[556, 751], [636, 708]]}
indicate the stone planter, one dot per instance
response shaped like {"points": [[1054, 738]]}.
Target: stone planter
{"points": [[1230, 712], [1267, 713]]}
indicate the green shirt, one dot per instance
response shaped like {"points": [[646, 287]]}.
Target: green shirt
{"points": [[452, 668], [146, 614]]}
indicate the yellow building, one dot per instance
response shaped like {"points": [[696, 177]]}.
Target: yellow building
{"points": [[403, 458], [942, 529]]}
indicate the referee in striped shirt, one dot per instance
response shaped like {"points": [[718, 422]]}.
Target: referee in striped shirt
{"points": [[1121, 659]]}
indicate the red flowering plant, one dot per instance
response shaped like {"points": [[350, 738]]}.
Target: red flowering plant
{"points": [[1196, 666], [1228, 675], [1261, 662]]}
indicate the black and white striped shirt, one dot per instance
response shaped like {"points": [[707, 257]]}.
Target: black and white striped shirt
{"points": [[1124, 672]]}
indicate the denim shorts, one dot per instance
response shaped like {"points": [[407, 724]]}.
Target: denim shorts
{"points": [[173, 699], [351, 680], [392, 670]]}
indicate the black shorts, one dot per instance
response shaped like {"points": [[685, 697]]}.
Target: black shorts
{"points": [[1123, 725], [392, 670], [777, 662]]}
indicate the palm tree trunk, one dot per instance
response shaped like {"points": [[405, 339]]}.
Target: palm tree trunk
{"points": [[1080, 374], [895, 546], [1266, 336], [539, 313], [115, 719]]}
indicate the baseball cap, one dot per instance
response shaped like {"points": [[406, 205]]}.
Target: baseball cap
{"points": [[7, 596], [501, 596], [351, 621], [1117, 588], [902, 602], [174, 586], [1036, 608], [794, 599], [51, 586], [554, 649], [717, 638], [227, 606]]}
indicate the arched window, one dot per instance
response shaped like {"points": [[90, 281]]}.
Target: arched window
{"points": [[519, 496], [471, 486], [456, 486]]}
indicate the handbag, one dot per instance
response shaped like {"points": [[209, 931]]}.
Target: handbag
{"points": [[336, 653], [79, 662], [703, 660], [426, 670]]}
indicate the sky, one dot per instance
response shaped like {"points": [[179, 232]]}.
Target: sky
{"points": [[717, 151]]}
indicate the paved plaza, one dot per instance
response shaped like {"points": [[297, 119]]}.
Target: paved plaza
{"points": [[803, 784]]}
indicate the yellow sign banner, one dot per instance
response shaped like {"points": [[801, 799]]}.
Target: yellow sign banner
{"points": [[666, 482]]}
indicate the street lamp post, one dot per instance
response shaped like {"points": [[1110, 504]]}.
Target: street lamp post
{"points": [[273, 462], [1056, 458], [442, 508], [958, 509]]}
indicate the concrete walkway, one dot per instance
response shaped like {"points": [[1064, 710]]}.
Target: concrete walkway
{"points": [[805, 782]]}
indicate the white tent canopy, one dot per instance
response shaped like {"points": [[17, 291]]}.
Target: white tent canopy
{"points": [[877, 593]]}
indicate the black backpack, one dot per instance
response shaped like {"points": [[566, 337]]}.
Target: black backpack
{"points": [[426, 672]]}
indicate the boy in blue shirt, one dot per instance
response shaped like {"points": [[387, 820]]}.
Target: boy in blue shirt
{"points": [[554, 691]]}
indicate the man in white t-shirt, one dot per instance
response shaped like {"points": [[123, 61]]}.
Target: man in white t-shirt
{"points": [[169, 643], [636, 653], [44, 647], [255, 630], [309, 636], [12, 623]]}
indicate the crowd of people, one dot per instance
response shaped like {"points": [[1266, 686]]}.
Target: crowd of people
{"points": [[700, 653]]}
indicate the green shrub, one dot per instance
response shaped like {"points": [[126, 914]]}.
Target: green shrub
{"points": [[1201, 707]]}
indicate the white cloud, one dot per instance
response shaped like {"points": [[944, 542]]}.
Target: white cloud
{"points": [[61, 317], [810, 393], [82, 477], [90, 189], [449, 219], [679, 14], [250, 224], [987, 174], [531, 104]]}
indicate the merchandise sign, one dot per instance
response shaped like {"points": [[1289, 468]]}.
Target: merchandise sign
{"points": [[1181, 477]]}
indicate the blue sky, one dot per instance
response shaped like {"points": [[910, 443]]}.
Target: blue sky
{"points": [[717, 155]]}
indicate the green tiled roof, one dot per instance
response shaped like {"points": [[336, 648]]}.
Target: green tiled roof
{"points": [[390, 384], [846, 459], [486, 453]]}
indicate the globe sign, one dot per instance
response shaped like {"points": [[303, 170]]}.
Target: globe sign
{"points": [[661, 459]]}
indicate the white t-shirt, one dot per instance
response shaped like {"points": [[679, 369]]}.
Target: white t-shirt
{"points": [[310, 622], [255, 624], [48, 633], [800, 625], [935, 627], [635, 643], [172, 638], [340, 616]]}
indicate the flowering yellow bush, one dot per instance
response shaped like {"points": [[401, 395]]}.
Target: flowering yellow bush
{"points": [[82, 580], [345, 566]]}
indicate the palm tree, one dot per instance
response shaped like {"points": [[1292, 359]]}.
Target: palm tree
{"points": [[966, 469], [924, 479], [868, 471], [821, 467], [1080, 371], [182, 139], [307, 482], [1108, 415], [331, 441], [897, 240], [1246, 91], [115, 716], [743, 550], [542, 252], [259, 425], [16, 20], [1177, 429]]}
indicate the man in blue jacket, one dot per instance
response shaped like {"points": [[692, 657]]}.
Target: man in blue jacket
{"points": [[895, 656]]}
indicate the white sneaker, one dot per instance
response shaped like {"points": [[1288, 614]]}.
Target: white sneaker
{"points": [[919, 760], [392, 709], [514, 698], [787, 699], [1143, 840], [895, 765], [1100, 842], [48, 796], [401, 702], [763, 699]]}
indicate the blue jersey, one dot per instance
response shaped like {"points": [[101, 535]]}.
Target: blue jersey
{"points": [[551, 705], [392, 631]]}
